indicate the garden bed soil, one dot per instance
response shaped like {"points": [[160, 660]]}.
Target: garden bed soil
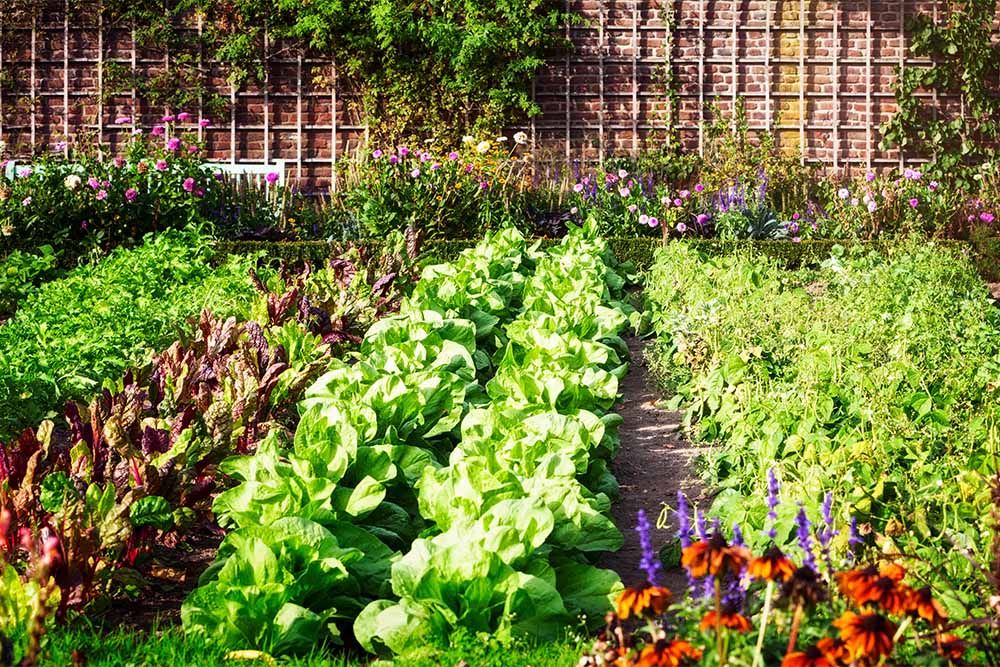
{"points": [[653, 464]]}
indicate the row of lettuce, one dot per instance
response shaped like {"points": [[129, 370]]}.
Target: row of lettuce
{"points": [[875, 376], [131, 463], [452, 476]]}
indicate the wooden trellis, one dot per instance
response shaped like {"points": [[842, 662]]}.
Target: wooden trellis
{"points": [[600, 99]]}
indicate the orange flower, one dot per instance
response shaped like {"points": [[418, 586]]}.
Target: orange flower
{"points": [[923, 604], [805, 587], [668, 654], [951, 647], [866, 635], [811, 657], [883, 587], [714, 556], [833, 648], [730, 619], [639, 601], [772, 566]]}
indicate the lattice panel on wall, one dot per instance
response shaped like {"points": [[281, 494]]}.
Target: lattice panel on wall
{"points": [[818, 73]]}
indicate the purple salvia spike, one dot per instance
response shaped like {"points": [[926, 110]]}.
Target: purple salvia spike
{"points": [[805, 538], [649, 562]]}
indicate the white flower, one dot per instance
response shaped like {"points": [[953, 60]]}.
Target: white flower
{"points": [[502, 139], [468, 139], [483, 147], [843, 193], [520, 138], [7, 229], [72, 182], [574, 210]]}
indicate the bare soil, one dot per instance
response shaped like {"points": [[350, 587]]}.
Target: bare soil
{"points": [[653, 464]]}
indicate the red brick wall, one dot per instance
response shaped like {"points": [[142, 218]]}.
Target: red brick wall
{"points": [[817, 72]]}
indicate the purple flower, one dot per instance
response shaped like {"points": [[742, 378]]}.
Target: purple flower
{"points": [[453, 156], [184, 116], [649, 562], [773, 489], [678, 202], [425, 157], [93, 183], [404, 151], [699, 525], [633, 208], [483, 185], [805, 538], [932, 186], [683, 521], [205, 122], [173, 144], [24, 172], [131, 194], [653, 222], [699, 187], [702, 218], [60, 146], [271, 178], [870, 176], [986, 217], [415, 173], [161, 165], [681, 227], [158, 130], [872, 206], [435, 166], [393, 159], [188, 184], [914, 202], [377, 153]]}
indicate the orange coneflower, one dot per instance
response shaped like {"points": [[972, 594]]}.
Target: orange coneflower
{"points": [[882, 586], [811, 657], [774, 565], [668, 654], [730, 618], [804, 587], [714, 556], [923, 604], [636, 601], [833, 648], [951, 646], [866, 635]]}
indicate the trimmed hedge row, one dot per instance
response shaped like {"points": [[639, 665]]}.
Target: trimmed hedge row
{"points": [[638, 251]]}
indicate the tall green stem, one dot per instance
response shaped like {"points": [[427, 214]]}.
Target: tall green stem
{"points": [[720, 645], [765, 616]]}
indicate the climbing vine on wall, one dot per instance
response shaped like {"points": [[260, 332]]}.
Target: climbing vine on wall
{"points": [[967, 67], [427, 67]]}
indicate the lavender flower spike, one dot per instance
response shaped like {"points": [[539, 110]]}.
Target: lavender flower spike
{"points": [[805, 538], [773, 489], [649, 563], [683, 520]]}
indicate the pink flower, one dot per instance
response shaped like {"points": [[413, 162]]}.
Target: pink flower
{"points": [[685, 194], [622, 173], [131, 194], [205, 122], [483, 185], [643, 219], [188, 184], [26, 201], [624, 192], [199, 193], [699, 188], [60, 146], [425, 157], [24, 172], [633, 208], [173, 144], [161, 165], [702, 218], [578, 187], [122, 120], [404, 151], [986, 217], [119, 161], [796, 239], [872, 206], [393, 159], [795, 216], [843, 193], [932, 186], [192, 149], [914, 202], [93, 183], [102, 194], [184, 116], [415, 173], [136, 132], [653, 222], [158, 130], [377, 153], [435, 166], [870, 176], [168, 119], [271, 178], [681, 227], [678, 202], [453, 156], [855, 201]]}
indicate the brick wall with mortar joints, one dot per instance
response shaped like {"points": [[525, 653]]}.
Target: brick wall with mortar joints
{"points": [[811, 86]]}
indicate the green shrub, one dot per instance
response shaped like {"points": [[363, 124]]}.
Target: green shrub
{"points": [[75, 333], [873, 375]]}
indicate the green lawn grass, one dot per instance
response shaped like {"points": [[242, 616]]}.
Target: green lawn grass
{"points": [[171, 648]]}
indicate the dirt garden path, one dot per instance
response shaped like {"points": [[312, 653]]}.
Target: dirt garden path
{"points": [[654, 462]]}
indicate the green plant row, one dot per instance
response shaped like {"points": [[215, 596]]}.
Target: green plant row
{"points": [[71, 335], [874, 376], [452, 479]]}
